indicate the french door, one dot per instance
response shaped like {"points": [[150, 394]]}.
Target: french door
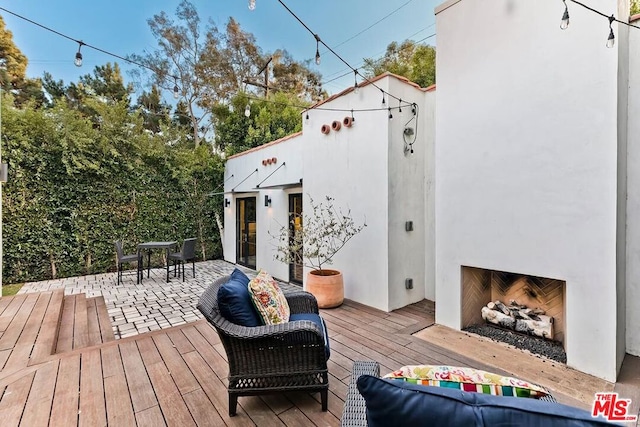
{"points": [[246, 232], [295, 223]]}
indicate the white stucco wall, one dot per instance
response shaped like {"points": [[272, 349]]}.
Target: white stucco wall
{"points": [[365, 170], [268, 219], [526, 160], [351, 166], [633, 200], [408, 250]]}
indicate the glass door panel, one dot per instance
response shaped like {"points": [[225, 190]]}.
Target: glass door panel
{"points": [[246, 232]]}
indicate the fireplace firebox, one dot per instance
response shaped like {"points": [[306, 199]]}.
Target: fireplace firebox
{"points": [[531, 294]]}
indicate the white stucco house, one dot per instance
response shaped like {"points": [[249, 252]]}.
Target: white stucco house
{"points": [[525, 174], [368, 168]]}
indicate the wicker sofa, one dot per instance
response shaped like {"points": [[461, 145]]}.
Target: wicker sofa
{"points": [[271, 358], [405, 405]]}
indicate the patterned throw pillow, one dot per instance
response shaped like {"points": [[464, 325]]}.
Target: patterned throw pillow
{"points": [[467, 379], [269, 299]]}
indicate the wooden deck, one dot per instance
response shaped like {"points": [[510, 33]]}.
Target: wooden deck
{"points": [[63, 369]]}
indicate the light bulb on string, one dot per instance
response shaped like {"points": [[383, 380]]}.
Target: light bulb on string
{"points": [[390, 115], [78, 60], [400, 106], [384, 102], [252, 4], [353, 119], [612, 38], [565, 17], [247, 110], [307, 116], [176, 90], [317, 49], [355, 81]]}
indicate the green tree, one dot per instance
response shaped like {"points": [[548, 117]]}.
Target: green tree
{"points": [[269, 120], [417, 62], [13, 67], [107, 83], [635, 7], [193, 58], [153, 109]]}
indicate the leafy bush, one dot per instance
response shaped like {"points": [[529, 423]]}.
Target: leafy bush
{"points": [[76, 185]]}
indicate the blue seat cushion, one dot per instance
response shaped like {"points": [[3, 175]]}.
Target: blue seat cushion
{"points": [[234, 301], [399, 403], [315, 318]]}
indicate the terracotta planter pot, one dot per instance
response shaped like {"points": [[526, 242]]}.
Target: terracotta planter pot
{"points": [[327, 286]]}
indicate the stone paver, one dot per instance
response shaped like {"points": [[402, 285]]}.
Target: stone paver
{"points": [[150, 305]]}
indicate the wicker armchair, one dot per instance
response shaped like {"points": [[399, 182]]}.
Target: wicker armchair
{"points": [[271, 358]]}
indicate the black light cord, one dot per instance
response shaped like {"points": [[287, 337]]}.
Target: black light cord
{"points": [[81, 43], [603, 14], [315, 35]]}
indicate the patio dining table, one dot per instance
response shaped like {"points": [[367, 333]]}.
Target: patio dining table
{"points": [[148, 246]]}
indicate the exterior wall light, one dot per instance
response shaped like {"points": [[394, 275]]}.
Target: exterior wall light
{"points": [[227, 202], [267, 200]]}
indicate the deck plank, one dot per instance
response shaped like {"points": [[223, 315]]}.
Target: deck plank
{"points": [[14, 400], [150, 417], [184, 379], [11, 309], [106, 329], [215, 390], [65, 329], [92, 404], [48, 334], [201, 409], [140, 388], [80, 323], [180, 341], [18, 322], [26, 341], [173, 407], [38, 408], [64, 411], [94, 337]]}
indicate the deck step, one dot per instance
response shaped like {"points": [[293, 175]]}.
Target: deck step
{"points": [[28, 324], [100, 329], [73, 331]]}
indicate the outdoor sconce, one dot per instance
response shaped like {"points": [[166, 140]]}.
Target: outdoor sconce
{"points": [[267, 200], [227, 202]]}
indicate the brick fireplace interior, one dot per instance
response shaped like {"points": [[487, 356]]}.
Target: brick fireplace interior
{"points": [[480, 286]]}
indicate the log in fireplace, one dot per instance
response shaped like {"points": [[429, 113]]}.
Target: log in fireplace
{"points": [[520, 302]]}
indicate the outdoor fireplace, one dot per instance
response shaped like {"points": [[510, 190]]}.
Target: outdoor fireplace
{"points": [[525, 304]]}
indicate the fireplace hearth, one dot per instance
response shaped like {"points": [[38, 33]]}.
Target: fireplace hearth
{"points": [[523, 310]]}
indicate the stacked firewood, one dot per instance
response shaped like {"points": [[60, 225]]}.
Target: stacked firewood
{"points": [[531, 321]]}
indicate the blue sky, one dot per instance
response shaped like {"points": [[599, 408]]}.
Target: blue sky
{"points": [[121, 27]]}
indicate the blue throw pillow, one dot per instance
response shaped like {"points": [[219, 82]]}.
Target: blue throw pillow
{"points": [[234, 301], [315, 318], [399, 403]]}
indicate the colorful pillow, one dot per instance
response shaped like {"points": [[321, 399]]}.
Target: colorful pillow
{"points": [[467, 379], [268, 299]]}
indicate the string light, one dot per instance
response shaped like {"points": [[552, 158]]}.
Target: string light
{"points": [[78, 60], [317, 49], [353, 119], [176, 90], [355, 81], [565, 16], [612, 38], [384, 102], [390, 115], [252, 4], [318, 41], [400, 106], [247, 110], [307, 116]]}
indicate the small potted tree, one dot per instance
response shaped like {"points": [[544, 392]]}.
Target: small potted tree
{"points": [[316, 238]]}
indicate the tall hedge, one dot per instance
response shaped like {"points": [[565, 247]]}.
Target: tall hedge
{"points": [[77, 183]]}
